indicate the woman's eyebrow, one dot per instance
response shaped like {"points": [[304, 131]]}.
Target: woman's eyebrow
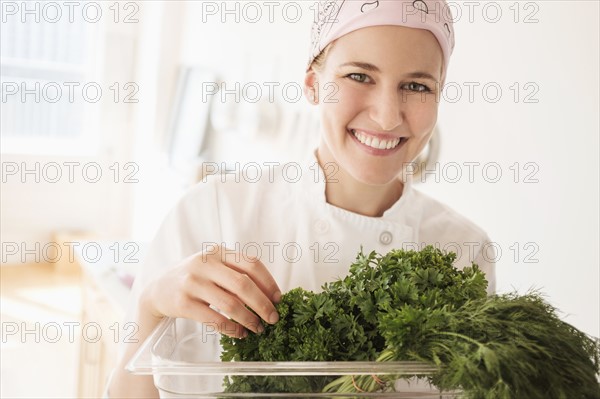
{"points": [[363, 65], [373, 68], [421, 75]]}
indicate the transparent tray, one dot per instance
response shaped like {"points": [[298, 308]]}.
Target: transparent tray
{"points": [[183, 357]]}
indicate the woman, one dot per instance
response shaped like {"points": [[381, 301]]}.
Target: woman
{"points": [[376, 71]]}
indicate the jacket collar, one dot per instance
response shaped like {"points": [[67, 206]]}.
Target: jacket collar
{"points": [[404, 211]]}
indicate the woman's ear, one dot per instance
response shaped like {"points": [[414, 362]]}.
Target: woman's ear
{"points": [[311, 86]]}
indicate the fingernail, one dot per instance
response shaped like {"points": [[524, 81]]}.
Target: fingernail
{"points": [[244, 333], [277, 297], [273, 318], [260, 329]]}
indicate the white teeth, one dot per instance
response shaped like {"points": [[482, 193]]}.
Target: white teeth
{"points": [[374, 142]]}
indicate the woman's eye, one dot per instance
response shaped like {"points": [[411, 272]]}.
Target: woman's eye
{"points": [[359, 77], [414, 86]]}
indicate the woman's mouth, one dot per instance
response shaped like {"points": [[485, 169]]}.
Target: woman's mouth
{"points": [[381, 144]]}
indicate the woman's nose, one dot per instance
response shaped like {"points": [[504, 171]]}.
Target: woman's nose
{"points": [[387, 109]]}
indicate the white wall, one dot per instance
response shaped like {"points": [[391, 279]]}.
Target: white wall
{"points": [[32, 208], [559, 134], [557, 216]]}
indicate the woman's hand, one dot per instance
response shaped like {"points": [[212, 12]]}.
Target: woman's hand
{"points": [[222, 279]]}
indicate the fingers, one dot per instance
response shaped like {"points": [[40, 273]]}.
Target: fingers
{"points": [[251, 266], [261, 276], [202, 313], [243, 287], [229, 304]]}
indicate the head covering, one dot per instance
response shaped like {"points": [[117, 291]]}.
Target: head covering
{"points": [[335, 18]]}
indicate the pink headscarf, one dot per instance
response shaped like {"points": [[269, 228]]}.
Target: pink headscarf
{"points": [[339, 17]]}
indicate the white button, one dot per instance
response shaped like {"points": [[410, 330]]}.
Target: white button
{"points": [[321, 226], [386, 238]]}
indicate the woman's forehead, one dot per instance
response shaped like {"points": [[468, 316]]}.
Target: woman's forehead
{"points": [[390, 47]]}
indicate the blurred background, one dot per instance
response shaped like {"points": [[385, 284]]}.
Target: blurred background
{"points": [[111, 110]]}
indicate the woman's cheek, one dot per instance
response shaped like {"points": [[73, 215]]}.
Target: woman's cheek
{"points": [[329, 88], [350, 101], [423, 117], [338, 107]]}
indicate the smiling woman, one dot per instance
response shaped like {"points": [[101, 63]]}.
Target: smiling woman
{"points": [[386, 63], [384, 110]]}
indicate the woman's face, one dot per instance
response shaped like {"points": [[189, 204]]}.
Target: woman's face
{"points": [[377, 92]]}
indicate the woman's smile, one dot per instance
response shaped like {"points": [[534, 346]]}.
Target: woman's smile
{"points": [[377, 143]]}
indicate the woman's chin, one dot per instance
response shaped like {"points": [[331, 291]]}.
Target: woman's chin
{"points": [[374, 178]]}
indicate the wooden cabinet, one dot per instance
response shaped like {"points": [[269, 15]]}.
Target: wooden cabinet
{"points": [[98, 353], [105, 299]]}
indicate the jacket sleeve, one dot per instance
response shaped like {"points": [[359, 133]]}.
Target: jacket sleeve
{"points": [[192, 224]]}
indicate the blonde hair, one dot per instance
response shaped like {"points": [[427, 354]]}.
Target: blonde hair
{"points": [[319, 62]]}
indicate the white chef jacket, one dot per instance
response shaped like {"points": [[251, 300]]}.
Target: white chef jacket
{"points": [[280, 214]]}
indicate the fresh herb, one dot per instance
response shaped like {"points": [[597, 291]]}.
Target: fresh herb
{"points": [[416, 306]]}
